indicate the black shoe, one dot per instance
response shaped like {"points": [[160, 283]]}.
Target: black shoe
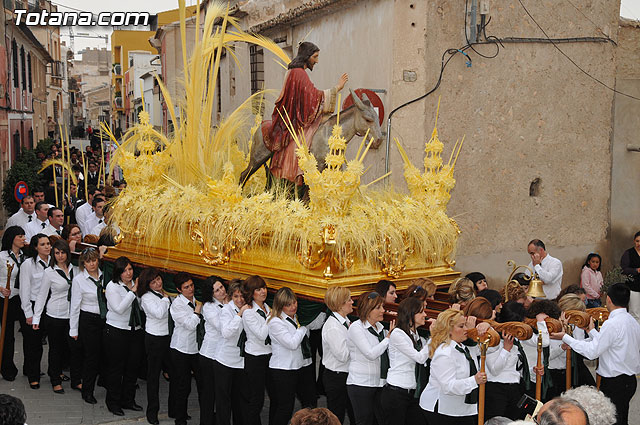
{"points": [[90, 399], [34, 386], [116, 411], [9, 378], [134, 406], [153, 421], [76, 387], [60, 391]]}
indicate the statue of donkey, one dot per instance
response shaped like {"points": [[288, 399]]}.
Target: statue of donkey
{"points": [[356, 119]]}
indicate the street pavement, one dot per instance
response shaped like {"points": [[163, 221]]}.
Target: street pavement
{"points": [[45, 407]]}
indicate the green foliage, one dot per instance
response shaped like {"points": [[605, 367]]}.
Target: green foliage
{"points": [[614, 275], [25, 168]]}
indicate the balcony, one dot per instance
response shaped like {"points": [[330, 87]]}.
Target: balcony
{"points": [[117, 69], [56, 69], [118, 102]]}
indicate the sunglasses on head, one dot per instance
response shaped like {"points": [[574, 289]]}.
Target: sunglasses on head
{"points": [[87, 250]]}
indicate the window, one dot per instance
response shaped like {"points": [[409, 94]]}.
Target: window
{"points": [[30, 76], [24, 69], [256, 61], [14, 49]]}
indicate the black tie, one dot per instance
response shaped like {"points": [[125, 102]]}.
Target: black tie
{"points": [[345, 324], [384, 358], [262, 314], [44, 225], [59, 232], [102, 298], [420, 370], [43, 264], [135, 318], [29, 219], [200, 329], [523, 365], [242, 340], [18, 263], [472, 397], [169, 319], [100, 221], [306, 345], [68, 279]]}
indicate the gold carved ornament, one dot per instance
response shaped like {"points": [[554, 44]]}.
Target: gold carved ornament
{"points": [[325, 256], [211, 253], [392, 259]]}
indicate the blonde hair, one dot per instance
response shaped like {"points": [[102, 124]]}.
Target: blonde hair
{"points": [[571, 302], [88, 254], [336, 296], [462, 290], [441, 329], [428, 284], [283, 297]]}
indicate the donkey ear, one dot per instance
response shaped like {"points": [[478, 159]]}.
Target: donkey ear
{"points": [[356, 100], [365, 99]]}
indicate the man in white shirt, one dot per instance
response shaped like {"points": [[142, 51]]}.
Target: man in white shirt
{"points": [[84, 211], [40, 223], [96, 222], [617, 346], [56, 219], [548, 268], [25, 215]]}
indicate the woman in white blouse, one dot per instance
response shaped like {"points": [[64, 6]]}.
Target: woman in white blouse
{"points": [[228, 366], [368, 342], [87, 318], [291, 351], [123, 339], [31, 274], [155, 305], [451, 394], [335, 356], [214, 297], [11, 254], [257, 349], [408, 354], [55, 296]]}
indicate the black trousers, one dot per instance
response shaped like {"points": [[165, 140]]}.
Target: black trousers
{"points": [[502, 400], [366, 404], [180, 383], [14, 314], [32, 348], [335, 385], [400, 407], [315, 339], [256, 369], [306, 387], [157, 354], [90, 329], [434, 418], [620, 390], [124, 350], [207, 393], [231, 394], [285, 384], [60, 343]]}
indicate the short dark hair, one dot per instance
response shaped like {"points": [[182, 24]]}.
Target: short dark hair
{"points": [[91, 189], [206, 294], [512, 311], [38, 190], [119, 265], [40, 204], [52, 210], [145, 279], [96, 200], [492, 296], [636, 235], [538, 243], [9, 235], [619, 294], [383, 286], [251, 284], [31, 197], [12, 410], [61, 245], [180, 279], [548, 307]]}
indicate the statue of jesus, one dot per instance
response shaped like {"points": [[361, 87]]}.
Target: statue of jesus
{"points": [[306, 107]]}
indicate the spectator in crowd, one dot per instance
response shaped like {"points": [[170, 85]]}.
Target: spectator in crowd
{"points": [[548, 268], [56, 220], [40, 223], [25, 214]]}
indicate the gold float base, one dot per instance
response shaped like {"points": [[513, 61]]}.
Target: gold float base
{"points": [[278, 270]]}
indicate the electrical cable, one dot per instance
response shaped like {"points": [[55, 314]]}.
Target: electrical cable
{"points": [[571, 60]]}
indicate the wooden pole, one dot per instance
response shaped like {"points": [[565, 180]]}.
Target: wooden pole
{"points": [[538, 366], [5, 310], [481, 387], [568, 353], [62, 155]]}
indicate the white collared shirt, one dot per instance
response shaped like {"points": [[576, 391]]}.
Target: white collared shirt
{"points": [[530, 348], [156, 308], [212, 337], [58, 304], [403, 358], [35, 227], [617, 345], [230, 326], [50, 230], [335, 352], [502, 365], [20, 218], [450, 381], [285, 344], [31, 274], [84, 296], [98, 226], [550, 272], [257, 330], [4, 258], [365, 351], [82, 214], [119, 305], [184, 338]]}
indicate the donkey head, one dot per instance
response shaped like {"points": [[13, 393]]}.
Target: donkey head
{"points": [[366, 118]]}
